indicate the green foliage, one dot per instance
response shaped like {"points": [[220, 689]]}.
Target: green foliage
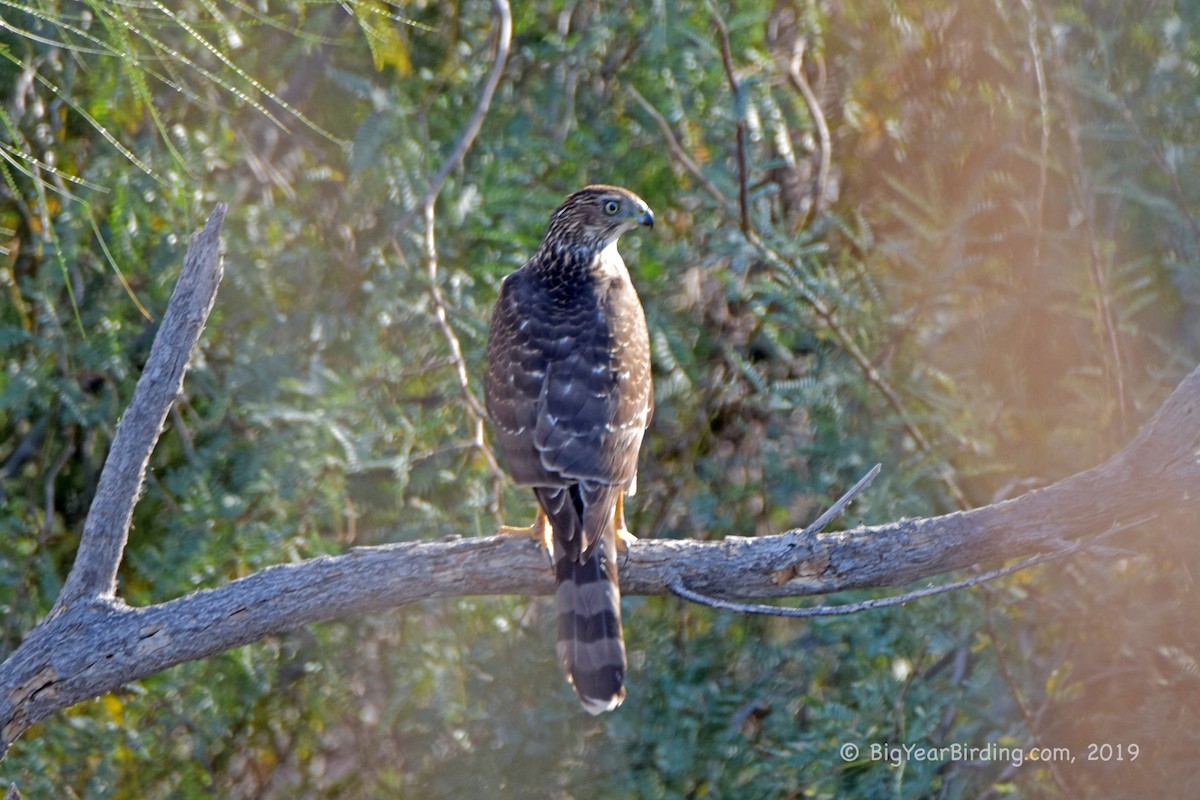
{"points": [[1002, 257]]}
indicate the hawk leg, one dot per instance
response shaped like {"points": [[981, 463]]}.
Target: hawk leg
{"points": [[624, 537], [539, 531]]}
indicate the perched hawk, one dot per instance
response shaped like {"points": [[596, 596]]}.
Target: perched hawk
{"points": [[569, 393]]}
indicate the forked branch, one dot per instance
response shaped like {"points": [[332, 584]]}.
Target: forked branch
{"points": [[93, 643], [106, 529]]}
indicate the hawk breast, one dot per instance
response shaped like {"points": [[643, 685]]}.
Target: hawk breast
{"points": [[568, 383]]}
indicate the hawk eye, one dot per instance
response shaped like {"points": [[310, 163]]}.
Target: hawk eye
{"points": [[611, 207]]}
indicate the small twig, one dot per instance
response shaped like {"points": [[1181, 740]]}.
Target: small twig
{"points": [[26, 449], [1152, 152], [961, 656], [427, 206], [679, 153], [828, 317], [52, 479], [474, 407], [1113, 364], [678, 588], [824, 312], [1014, 690], [186, 444], [837, 508], [503, 14], [1039, 71], [439, 314], [466, 139], [735, 87], [824, 141]]}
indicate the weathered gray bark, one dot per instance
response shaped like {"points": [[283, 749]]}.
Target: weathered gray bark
{"points": [[93, 643], [106, 529]]}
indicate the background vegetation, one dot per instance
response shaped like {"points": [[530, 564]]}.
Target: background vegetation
{"points": [[958, 237]]}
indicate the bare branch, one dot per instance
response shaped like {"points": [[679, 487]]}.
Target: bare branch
{"points": [[735, 87], [826, 314], [84, 649], [824, 140], [1039, 71], [106, 529], [503, 14], [93, 648], [428, 204], [828, 317], [1114, 369], [678, 152], [1014, 688], [474, 407], [679, 589], [837, 508]]}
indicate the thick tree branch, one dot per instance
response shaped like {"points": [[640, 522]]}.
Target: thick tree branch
{"points": [[679, 589], [85, 649], [106, 529]]}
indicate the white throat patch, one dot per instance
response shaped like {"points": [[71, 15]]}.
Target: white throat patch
{"points": [[610, 264]]}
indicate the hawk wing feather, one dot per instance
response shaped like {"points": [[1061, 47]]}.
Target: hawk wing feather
{"points": [[575, 399]]}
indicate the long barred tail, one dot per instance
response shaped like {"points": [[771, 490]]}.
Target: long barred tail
{"points": [[590, 645]]}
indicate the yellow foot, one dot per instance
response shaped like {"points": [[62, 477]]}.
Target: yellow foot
{"points": [[539, 531], [624, 537], [624, 540]]}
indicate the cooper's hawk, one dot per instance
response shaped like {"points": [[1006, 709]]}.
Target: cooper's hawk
{"points": [[569, 393]]}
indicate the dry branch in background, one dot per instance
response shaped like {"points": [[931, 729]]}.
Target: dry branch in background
{"points": [[826, 315], [93, 643]]}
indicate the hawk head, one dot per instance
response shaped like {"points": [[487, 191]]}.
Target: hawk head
{"points": [[595, 217]]}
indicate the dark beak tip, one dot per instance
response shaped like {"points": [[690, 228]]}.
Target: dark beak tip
{"points": [[647, 219]]}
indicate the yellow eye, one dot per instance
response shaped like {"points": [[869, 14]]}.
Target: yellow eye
{"points": [[611, 207]]}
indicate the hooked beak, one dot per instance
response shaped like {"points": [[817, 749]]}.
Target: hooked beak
{"points": [[646, 219]]}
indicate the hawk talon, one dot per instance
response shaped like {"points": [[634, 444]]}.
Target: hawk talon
{"points": [[539, 532], [625, 540]]}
